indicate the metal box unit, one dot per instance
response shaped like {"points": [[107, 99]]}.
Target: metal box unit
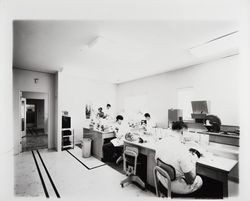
{"points": [[174, 115]]}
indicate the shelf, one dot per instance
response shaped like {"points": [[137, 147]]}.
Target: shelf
{"points": [[67, 135], [67, 142], [68, 139], [67, 147], [70, 145]]}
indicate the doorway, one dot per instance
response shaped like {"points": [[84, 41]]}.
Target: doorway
{"points": [[33, 119]]}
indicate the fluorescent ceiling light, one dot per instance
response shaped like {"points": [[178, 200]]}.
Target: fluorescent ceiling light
{"points": [[226, 44]]}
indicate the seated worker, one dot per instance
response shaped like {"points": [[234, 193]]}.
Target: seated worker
{"points": [[148, 124], [107, 112], [100, 113], [178, 127], [183, 159], [113, 150], [180, 132]]}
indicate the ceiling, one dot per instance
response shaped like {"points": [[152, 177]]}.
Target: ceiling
{"points": [[115, 51]]}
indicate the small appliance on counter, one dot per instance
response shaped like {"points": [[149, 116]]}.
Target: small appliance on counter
{"points": [[212, 123], [174, 115], [200, 110]]}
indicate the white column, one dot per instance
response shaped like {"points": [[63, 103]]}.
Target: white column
{"points": [[6, 104]]}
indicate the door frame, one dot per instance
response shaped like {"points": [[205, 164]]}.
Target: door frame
{"points": [[23, 131], [47, 125]]}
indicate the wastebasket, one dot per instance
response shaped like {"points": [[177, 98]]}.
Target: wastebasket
{"points": [[86, 147]]}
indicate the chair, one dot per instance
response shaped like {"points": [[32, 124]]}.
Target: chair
{"points": [[130, 162], [119, 160], [168, 172]]}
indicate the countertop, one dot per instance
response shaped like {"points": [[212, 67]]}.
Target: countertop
{"points": [[230, 135]]}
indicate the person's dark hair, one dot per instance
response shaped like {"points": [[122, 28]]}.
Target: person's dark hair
{"points": [[146, 115], [178, 125], [119, 117], [108, 105], [100, 109], [195, 151]]}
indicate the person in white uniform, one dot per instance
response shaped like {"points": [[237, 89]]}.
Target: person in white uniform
{"points": [[148, 124], [113, 150], [108, 113], [183, 159]]}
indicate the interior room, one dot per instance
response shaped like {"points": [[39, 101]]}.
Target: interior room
{"points": [[36, 135], [128, 107]]}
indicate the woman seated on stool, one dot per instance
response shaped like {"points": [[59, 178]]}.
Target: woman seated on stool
{"points": [[176, 154], [113, 150]]}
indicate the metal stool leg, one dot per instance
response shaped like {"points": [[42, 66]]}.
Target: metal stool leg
{"points": [[138, 180], [127, 180]]}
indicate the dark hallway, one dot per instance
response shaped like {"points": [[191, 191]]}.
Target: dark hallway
{"points": [[36, 136]]}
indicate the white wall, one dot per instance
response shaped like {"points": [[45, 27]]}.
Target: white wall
{"points": [[216, 81], [75, 92], [23, 80], [6, 118]]}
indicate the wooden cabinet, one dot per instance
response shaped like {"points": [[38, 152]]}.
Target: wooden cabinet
{"points": [[229, 140], [98, 139]]}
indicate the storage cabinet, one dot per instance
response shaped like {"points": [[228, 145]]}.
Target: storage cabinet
{"points": [[67, 138], [98, 138], [67, 132]]}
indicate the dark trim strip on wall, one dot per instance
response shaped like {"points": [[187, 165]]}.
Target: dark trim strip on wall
{"points": [[40, 175]]}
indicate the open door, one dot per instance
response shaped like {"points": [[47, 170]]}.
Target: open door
{"points": [[33, 115], [23, 119]]}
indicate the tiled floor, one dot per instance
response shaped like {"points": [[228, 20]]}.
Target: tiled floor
{"points": [[73, 180], [70, 177], [34, 142], [26, 178], [233, 189]]}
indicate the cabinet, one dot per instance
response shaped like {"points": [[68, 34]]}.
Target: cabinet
{"points": [[67, 138], [98, 139]]}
